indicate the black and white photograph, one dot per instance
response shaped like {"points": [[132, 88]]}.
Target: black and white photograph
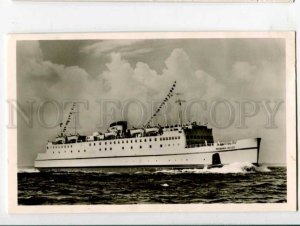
{"points": [[152, 122]]}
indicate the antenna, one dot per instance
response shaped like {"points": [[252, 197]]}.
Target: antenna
{"points": [[74, 123], [74, 118], [179, 102]]}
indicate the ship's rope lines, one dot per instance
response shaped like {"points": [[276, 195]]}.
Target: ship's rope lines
{"points": [[64, 126], [168, 96]]}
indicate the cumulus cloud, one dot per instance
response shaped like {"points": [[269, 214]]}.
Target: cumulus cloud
{"points": [[124, 47], [42, 80], [243, 70]]}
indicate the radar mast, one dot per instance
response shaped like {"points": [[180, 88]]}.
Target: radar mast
{"points": [[179, 102]]}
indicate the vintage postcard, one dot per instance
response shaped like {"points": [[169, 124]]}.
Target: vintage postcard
{"points": [[151, 122]]}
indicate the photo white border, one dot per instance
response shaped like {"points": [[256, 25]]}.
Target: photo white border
{"points": [[291, 204]]}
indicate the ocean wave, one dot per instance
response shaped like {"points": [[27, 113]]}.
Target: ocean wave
{"points": [[237, 167]]}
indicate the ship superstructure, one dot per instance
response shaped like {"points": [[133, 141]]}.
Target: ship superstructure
{"points": [[172, 146]]}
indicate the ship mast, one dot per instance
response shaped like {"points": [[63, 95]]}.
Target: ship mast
{"points": [[74, 118], [179, 102]]}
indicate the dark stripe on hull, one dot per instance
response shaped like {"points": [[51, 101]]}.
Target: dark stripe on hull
{"points": [[124, 169]]}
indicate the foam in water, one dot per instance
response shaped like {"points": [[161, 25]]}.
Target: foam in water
{"points": [[237, 167], [262, 168], [28, 170]]}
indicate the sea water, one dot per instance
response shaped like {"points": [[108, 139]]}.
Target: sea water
{"points": [[234, 183]]}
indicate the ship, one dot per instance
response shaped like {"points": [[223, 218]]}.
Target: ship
{"points": [[178, 146]]}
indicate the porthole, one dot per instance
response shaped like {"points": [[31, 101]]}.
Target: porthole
{"points": [[145, 140], [94, 144], [140, 147], [150, 146], [110, 149], [149, 139], [122, 148], [161, 145], [105, 149], [131, 147]]}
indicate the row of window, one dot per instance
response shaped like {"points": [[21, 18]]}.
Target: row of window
{"points": [[170, 138], [197, 137], [119, 142], [105, 149], [57, 147]]}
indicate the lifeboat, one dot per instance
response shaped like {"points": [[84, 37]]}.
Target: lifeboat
{"points": [[151, 131], [72, 138], [136, 132], [110, 135], [60, 140]]}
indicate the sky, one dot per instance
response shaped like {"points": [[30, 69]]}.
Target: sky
{"points": [[126, 72]]}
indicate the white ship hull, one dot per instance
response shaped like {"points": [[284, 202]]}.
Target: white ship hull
{"points": [[162, 154]]}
